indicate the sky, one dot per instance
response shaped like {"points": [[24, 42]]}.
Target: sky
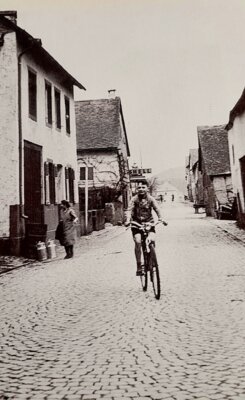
{"points": [[175, 64]]}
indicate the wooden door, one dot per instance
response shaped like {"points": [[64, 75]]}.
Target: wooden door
{"points": [[32, 182]]}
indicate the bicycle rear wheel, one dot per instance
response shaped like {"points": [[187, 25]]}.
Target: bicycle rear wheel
{"points": [[154, 273], [144, 276]]}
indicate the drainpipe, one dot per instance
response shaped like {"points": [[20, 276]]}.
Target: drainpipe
{"points": [[33, 43]]}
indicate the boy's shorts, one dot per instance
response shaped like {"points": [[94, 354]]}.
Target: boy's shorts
{"points": [[136, 230]]}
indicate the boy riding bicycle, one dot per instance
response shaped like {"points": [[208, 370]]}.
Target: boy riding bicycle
{"points": [[140, 211]]}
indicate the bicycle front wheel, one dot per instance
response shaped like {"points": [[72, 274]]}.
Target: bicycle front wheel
{"points": [[144, 276], [154, 273]]}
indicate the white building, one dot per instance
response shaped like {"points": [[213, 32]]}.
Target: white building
{"points": [[38, 137], [236, 139]]}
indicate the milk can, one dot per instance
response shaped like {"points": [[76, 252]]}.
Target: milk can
{"points": [[51, 249], [41, 251]]}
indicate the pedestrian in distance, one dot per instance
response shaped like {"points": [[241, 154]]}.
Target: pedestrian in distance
{"points": [[69, 220]]}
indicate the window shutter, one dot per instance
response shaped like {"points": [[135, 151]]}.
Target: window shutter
{"points": [[55, 183], [51, 183], [46, 183], [71, 184], [67, 183]]}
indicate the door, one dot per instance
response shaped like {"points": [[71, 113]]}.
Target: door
{"points": [[242, 168], [32, 182]]}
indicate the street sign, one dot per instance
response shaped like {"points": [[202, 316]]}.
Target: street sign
{"points": [[140, 171]]}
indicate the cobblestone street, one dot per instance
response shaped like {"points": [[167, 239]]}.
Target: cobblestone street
{"points": [[83, 329]]}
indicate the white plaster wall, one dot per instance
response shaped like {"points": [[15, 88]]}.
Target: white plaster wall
{"points": [[9, 192], [57, 145], [222, 188], [105, 165], [236, 137]]}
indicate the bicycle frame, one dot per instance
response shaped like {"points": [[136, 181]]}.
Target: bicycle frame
{"points": [[150, 261]]}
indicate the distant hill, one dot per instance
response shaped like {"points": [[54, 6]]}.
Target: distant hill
{"points": [[176, 176]]}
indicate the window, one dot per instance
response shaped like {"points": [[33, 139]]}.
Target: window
{"points": [[67, 114], [90, 173], [32, 91], [57, 109], [48, 98], [83, 173]]}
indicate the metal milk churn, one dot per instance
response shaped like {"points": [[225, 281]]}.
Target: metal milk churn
{"points": [[51, 249], [41, 251]]}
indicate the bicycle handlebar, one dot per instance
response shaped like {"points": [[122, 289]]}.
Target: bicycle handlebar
{"points": [[142, 226]]}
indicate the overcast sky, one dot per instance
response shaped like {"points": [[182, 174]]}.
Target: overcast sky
{"points": [[175, 64]]}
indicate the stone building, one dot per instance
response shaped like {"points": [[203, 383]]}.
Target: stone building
{"points": [[38, 138], [214, 164]]}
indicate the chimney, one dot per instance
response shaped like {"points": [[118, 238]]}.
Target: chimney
{"points": [[112, 93], [12, 15]]}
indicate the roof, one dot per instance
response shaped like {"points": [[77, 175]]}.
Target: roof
{"points": [[98, 124], [237, 110], [213, 143], [37, 50], [193, 153]]}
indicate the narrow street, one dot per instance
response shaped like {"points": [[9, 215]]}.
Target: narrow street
{"points": [[83, 328]]}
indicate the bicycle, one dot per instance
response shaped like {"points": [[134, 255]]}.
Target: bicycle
{"points": [[150, 259]]}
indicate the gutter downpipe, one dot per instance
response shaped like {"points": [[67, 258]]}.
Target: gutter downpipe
{"points": [[34, 43]]}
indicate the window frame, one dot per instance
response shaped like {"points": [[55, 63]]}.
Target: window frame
{"points": [[57, 96], [32, 94], [83, 173], [48, 104], [67, 115]]}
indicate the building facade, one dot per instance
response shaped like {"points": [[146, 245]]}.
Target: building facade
{"points": [[236, 139], [214, 165], [102, 152], [38, 138]]}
